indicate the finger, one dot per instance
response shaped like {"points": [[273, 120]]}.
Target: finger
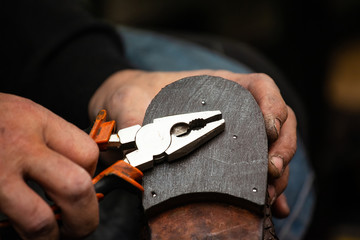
{"points": [[70, 187], [73, 143], [31, 217], [271, 103], [277, 186], [266, 94], [280, 208], [282, 150]]}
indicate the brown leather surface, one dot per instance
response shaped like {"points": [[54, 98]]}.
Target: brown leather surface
{"points": [[206, 221]]}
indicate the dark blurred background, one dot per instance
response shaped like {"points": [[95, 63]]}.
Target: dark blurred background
{"points": [[316, 44]]}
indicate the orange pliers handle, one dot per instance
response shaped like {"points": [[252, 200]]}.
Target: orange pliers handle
{"points": [[105, 181], [102, 130]]}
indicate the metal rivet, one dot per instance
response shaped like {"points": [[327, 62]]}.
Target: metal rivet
{"points": [[254, 190], [153, 194], [235, 137], [203, 102]]}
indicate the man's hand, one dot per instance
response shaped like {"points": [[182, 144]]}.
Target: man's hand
{"points": [[127, 94], [40, 146]]}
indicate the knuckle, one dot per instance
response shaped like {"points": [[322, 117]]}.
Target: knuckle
{"points": [[6, 182], [78, 186], [40, 226], [285, 109], [263, 81], [291, 114], [90, 153], [123, 95], [86, 229], [120, 97], [122, 105], [260, 77]]}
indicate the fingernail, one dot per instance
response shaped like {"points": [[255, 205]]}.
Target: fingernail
{"points": [[277, 126], [278, 162], [272, 194], [276, 166], [272, 128]]}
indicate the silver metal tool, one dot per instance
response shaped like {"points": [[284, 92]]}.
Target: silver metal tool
{"points": [[167, 138]]}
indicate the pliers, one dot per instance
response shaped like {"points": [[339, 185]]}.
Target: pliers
{"points": [[167, 138]]}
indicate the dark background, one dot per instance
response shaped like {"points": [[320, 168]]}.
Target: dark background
{"points": [[316, 45]]}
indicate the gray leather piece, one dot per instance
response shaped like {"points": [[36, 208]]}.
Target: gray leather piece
{"points": [[231, 168]]}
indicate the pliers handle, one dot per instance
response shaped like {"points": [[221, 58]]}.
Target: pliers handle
{"points": [[104, 182]]}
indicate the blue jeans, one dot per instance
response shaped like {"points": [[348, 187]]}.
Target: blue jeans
{"points": [[150, 51]]}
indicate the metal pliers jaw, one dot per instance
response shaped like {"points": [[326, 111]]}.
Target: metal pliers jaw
{"points": [[167, 138]]}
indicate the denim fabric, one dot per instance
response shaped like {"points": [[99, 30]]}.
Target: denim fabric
{"points": [[155, 52], [148, 51]]}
